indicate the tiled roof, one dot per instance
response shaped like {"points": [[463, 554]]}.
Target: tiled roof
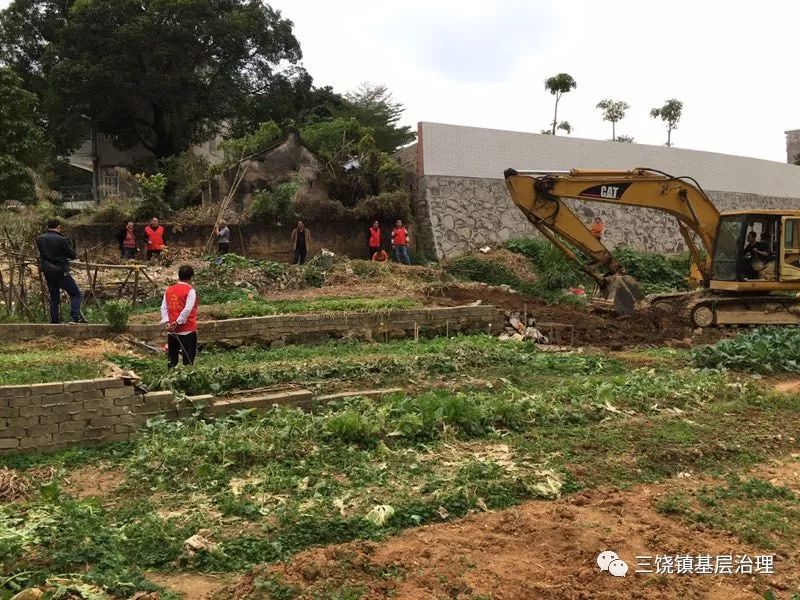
{"points": [[460, 151]]}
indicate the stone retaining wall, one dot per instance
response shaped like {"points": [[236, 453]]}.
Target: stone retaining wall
{"points": [[457, 215], [51, 416], [291, 329]]}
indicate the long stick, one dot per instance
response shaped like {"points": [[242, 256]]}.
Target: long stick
{"points": [[135, 285], [90, 284]]}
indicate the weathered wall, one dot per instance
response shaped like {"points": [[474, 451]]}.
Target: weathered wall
{"points": [[292, 329], [253, 240], [50, 416], [461, 214], [53, 416]]}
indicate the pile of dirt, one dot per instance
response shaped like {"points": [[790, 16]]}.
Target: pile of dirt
{"points": [[591, 327], [536, 550], [518, 264]]}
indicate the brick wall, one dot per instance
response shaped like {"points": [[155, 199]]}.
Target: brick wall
{"points": [[292, 329], [51, 416]]}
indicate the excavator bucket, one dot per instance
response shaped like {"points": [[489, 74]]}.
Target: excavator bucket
{"points": [[623, 291]]}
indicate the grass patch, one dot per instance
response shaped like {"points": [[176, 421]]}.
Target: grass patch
{"points": [[754, 510], [19, 365]]}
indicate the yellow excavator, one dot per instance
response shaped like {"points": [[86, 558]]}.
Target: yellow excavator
{"points": [[748, 261]]}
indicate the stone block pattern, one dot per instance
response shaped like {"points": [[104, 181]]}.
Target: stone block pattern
{"points": [[51, 416], [462, 214], [292, 329]]}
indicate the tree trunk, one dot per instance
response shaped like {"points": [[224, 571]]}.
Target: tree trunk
{"points": [[555, 116], [669, 136], [613, 131]]}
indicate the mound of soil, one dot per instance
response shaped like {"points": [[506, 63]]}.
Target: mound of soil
{"points": [[591, 327], [537, 550]]}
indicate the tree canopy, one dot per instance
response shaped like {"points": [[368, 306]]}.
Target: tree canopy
{"points": [[670, 113], [159, 73], [613, 111], [23, 144], [374, 107], [558, 85]]}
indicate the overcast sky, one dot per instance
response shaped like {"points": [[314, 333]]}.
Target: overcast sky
{"points": [[482, 63]]}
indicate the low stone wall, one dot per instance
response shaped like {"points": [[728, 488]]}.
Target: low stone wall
{"points": [[292, 329], [51, 416]]}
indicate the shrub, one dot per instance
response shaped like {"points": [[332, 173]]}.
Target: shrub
{"points": [[112, 210], [314, 276], [484, 271], [261, 138], [151, 188], [655, 272], [386, 207], [275, 207], [117, 314]]}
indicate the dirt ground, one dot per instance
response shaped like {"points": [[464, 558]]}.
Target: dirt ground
{"points": [[538, 550], [592, 328]]}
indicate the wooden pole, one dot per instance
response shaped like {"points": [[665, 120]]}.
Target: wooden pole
{"points": [[135, 285], [90, 283]]}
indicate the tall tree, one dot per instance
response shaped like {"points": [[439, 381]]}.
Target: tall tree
{"points": [[558, 85], [159, 73], [670, 113], [23, 145], [613, 111], [374, 107]]}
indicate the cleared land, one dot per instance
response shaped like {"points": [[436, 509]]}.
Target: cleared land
{"points": [[500, 472]]}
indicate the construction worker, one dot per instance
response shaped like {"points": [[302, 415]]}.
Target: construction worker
{"points": [[301, 241], [598, 227], [179, 314], [156, 239], [55, 252], [374, 240], [400, 241]]}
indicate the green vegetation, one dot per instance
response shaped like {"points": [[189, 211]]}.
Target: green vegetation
{"points": [[765, 350], [266, 486], [21, 365], [117, 313], [656, 273], [754, 510]]}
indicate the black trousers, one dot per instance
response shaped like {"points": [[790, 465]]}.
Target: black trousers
{"points": [[373, 250], [224, 247], [181, 345], [299, 256]]}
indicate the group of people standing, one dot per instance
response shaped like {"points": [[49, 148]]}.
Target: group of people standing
{"points": [[155, 240], [400, 241]]}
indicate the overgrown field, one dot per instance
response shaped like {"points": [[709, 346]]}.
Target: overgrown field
{"points": [[483, 425]]}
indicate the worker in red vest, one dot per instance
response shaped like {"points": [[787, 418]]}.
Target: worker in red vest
{"points": [[156, 239], [374, 241], [179, 314], [400, 241]]}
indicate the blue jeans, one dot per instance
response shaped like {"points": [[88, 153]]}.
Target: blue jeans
{"points": [[63, 281], [401, 255]]}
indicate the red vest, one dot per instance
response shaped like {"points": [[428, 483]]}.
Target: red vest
{"points": [[400, 236], [177, 295], [374, 237], [155, 237]]}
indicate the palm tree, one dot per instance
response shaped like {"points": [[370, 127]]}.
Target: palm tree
{"points": [[558, 85]]}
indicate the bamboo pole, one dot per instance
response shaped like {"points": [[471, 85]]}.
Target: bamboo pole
{"points": [[135, 285]]}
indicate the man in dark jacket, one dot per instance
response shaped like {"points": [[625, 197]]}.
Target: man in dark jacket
{"points": [[55, 252]]}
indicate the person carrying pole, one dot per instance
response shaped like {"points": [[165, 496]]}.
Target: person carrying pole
{"points": [[179, 314]]}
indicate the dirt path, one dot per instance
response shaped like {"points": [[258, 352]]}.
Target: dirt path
{"points": [[537, 550]]}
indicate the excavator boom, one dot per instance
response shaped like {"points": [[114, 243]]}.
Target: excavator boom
{"points": [[543, 197]]}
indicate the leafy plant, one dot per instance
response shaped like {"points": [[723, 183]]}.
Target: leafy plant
{"points": [[117, 313], [151, 188], [765, 350]]}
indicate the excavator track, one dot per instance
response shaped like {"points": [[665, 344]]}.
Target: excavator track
{"points": [[705, 309]]}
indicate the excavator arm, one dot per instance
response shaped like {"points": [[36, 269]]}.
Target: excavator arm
{"points": [[541, 196]]}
